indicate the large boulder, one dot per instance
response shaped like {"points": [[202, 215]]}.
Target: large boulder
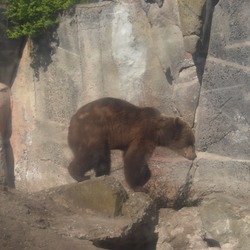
{"points": [[107, 214], [219, 222]]}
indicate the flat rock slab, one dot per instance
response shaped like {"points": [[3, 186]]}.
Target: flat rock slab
{"points": [[103, 195], [100, 210], [29, 223]]}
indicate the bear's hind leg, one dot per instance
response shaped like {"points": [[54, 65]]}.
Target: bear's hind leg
{"points": [[102, 166], [96, 156], [77, 169]]}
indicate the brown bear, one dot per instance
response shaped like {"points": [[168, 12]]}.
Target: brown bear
{"points": [[110, 123]]}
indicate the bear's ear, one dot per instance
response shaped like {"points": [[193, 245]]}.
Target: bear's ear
{"points": [[162, 121], [178, 122]]}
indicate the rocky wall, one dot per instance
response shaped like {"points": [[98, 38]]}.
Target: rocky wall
{"points": [[127, 49], [10, 54], [148, 55], [223, 115]]}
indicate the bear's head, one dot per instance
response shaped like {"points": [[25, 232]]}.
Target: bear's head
{"points": [[177, 135]]}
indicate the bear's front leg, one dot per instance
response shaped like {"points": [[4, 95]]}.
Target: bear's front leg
{"points": [[77, 171], [136, 169]]}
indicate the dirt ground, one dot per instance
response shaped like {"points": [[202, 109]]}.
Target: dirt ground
{"points": [[32, 222]]}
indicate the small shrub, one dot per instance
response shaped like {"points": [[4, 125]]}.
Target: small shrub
{"points": [[32, 17]]}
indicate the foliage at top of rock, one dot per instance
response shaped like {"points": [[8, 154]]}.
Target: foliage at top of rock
{"points": [[31, 17]]}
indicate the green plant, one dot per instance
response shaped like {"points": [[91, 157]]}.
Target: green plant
{"points": [[32, 17]]}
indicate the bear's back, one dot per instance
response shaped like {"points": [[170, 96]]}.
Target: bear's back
{"points": [[108, 116], [108, 106]]}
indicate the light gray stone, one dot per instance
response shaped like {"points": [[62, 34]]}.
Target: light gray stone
{"points": [[186, 94], [226, 220], [223, 112], [217, 174], [219, 222], [180, 230], [190, 43], [190, 13]]}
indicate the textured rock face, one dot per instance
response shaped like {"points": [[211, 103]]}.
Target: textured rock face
{"points": [[220, 222], [108, 215], [223, 129], [142, 53], [10, 52], [147, 55], [224, 101], [127, 49]]}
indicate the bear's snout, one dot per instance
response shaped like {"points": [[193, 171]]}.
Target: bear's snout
{"points": [[189, 153], [191, 157]]}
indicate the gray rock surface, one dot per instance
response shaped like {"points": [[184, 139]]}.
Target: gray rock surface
{"points": [[219, 222], [104, 213], [222, 119], [223, 115], [107, 49], [136, 51]]}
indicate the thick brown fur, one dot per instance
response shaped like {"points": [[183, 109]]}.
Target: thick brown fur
{"points": [[110, 123]]}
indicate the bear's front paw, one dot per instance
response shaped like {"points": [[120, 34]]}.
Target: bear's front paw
{"points": [[80, 179], [84, 178]]}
